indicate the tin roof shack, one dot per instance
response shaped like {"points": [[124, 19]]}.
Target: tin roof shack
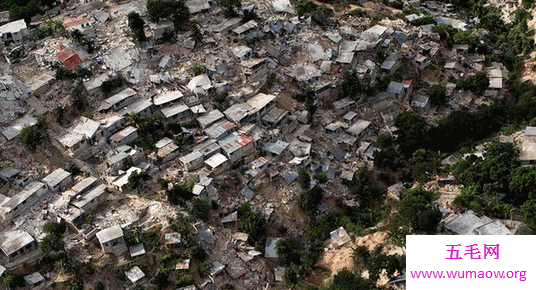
{"points": [[176, 113], [209, 148], [218, 163], [142, 107], [9, 174], [91, 199], [359, 129], [275, 148], [239, 113], [274, 117], [237, 147], [495, 79], [18, 203], [58, 180], [34, 279], [342, 106], [168, 152], [160, 28], [81, 187], [392, 63], [420, 102], [246, 31], [397, 90], [118, 101], [192, 161], [112, 241], [208, 119], [13, 33], [124, 137], [167, 98], [270, 249], [220, 130], [17, 244], [172, 239], [470, 224]]}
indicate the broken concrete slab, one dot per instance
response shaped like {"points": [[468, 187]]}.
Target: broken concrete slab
{"points": [[270, 251], [137, 250], [283, 6], [135, 274], [217, 268], [233, 217]]}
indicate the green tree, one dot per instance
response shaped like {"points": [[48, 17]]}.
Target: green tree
{"points": [[165, 9], [180, 192], [416, 211], [346, 280], [230, 6], [201, 209], [304, 179], [412, 130], [32, 136], [136, 25], [291, 275], [253, 223], [310, 199], [384, 141], [78, 95], [350, 85], [529, 212], [437, 95], [195, 33], [59, 111], [135, 179], [287, 250]]}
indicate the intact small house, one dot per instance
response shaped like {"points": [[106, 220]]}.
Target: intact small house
{"points": [[246, 31], [58, 180], [167, 98], [342, 106], [109, 126], [392, 63], [359, 129], [176, 113], [111, 240], [254, 68], [237, 146], [168, 152], [160, 28], [13, 33], [91, 199], [192, 161], [17, 244], [210, 118], [142, 108], [73, 143], [209, 148], [34, 279], [121, 182], [261, 103], [18, 203], [124, 137], [218, 163], [119, 100]]}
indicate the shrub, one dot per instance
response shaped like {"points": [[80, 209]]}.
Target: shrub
{"points": [[136, 25], [73, 169], [180, 192], [32, 136], [195, 33], [321, 177], [204, 269], [198, 69], [304, 179], [201, 209], [77, 98], [49, 27], [113, 83], [135, 179], [437, 95]]}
